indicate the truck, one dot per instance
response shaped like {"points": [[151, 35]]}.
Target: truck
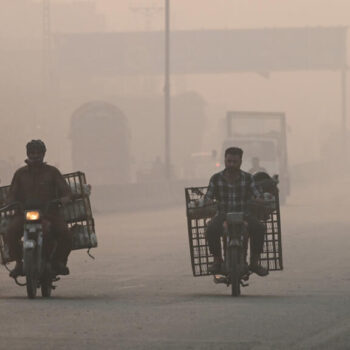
{"points": [[100, 139], [263, 138]]}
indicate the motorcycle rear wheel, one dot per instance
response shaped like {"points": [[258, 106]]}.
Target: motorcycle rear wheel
{"points": [[46, 288], [46, 280], [31, 273], [234, 272]]}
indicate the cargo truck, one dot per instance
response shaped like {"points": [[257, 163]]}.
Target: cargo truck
{"points": [[261, 135]]}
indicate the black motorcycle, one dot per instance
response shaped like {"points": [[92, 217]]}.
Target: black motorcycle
{"points": [[37, 260], [235, 241], [235, 238]]}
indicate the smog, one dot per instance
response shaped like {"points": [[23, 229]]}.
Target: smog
{"points": [[144, 116]]}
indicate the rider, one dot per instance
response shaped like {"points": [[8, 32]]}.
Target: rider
{"points": [[256, 167], [37, 183], [233, 188]]}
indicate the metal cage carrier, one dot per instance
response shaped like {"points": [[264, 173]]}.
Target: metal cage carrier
{"points": [[198, 219], [78, 215]]}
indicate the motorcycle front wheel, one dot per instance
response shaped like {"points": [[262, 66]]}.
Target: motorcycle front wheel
{"points": [[31, 273], [234, 271]]}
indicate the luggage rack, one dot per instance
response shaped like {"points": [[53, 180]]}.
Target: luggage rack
{"points": [[77, 214], [198, 219]]}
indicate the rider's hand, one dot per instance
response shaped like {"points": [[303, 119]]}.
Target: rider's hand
{"points": [[225, 225]]}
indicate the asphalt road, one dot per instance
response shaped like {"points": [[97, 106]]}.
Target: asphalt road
{"points": [[139, 293]]}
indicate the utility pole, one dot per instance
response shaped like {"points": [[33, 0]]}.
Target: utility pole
{"points": [[167, 156], [49, 125], [46, 49], [344, 131]]}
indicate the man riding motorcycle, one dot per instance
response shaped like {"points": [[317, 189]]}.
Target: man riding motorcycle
{"points": [[37, 184], [233, 188]]}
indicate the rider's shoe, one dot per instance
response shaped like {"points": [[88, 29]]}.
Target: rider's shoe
{"points": [[60, 268], [18, 270], [259, 270]]}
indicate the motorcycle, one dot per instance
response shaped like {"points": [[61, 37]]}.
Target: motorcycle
{"points": [[234, 270], [235, 242], [37, 261], [39, 247]]}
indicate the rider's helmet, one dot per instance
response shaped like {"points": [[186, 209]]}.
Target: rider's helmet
{"points": [[36, 145]]}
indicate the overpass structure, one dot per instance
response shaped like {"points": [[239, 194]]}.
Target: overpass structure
{"points": [[203, 51]]}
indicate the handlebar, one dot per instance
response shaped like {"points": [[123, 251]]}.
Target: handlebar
{"points": [[11, 206], [261, 202], [19, 205], [56, 201]]}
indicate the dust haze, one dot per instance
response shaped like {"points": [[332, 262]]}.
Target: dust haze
{"points": [[43, 86], [87, 77], [39, 97]]}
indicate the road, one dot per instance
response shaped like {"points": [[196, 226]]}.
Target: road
{"points": [[139, 292]]}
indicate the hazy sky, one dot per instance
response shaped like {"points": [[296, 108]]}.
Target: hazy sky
{"points": [[312, 101], [228, 13]]}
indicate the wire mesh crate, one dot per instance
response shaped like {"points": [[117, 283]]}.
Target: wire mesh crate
{"points": [[198, 219], [77, 214], [4, 190], [271, 257], [5, 217]]}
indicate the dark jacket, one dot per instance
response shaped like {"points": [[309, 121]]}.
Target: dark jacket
{"points": [[37, 185]]}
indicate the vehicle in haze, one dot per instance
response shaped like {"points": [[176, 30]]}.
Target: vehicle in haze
{"points": [[101, 143], [261, 135], [39, 246], [36, 259], [234, 241], [200, 166]]}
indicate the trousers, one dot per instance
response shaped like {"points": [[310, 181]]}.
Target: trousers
{"points": [[215, 229]]}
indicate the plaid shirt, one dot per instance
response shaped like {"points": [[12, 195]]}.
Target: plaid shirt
{"points": [[232, 196]]}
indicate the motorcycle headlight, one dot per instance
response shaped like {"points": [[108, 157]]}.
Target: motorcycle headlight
{"points": [[32, 215]]}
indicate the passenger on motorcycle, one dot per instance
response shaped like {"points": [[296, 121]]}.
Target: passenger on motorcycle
{"points": [[37, 184], [256, 167], [232, 188]]}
